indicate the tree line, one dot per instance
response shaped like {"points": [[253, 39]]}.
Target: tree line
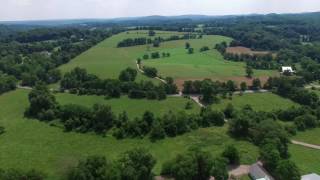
{"points": [[78, 81]]}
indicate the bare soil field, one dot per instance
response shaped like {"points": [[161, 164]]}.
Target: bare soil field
{"points": [[243, 50]]}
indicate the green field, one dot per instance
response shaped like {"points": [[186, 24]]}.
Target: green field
{"points": [[307, 159], [106, 60], [258, 101], [209, 64], [32, 144], [311, 136]]}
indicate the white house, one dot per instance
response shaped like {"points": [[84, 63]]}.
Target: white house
{"points": [[287, 69]]}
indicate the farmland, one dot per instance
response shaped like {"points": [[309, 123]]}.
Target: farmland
{"points": [[34, 144], [106, 60]]}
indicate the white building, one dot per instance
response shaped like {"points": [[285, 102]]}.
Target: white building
{"points": [[287, 69]]}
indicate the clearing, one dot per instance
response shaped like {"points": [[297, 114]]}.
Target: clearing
{"points": [[310, 136], [307, 159]]}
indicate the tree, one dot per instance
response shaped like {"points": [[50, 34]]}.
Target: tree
{"points": [[14, 174], [287, 169], [204, 48], [306, 121], [211, 117], [150, 71], [231, 86], [157, 131], [219, 169], [231, 153], [128, 74], [187, 45], [190, 51], [43, 104], [249, 71], [243, 86], [229, 111], [270, 156], [152, 33], [136, 164], [256, 84], [94, 167], [103, 118]]}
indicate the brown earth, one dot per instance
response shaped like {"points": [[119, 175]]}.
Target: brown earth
{"points": [[243, 50]]}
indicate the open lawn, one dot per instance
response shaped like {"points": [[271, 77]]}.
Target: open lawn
{"points": [[307, 159], [30, 144], [258, 101], [311, 136]]}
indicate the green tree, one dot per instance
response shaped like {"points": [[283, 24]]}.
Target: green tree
{"points": [[231, 153], [187, 45], [256, 84], [287, 169], [219, 169], [136, 164], [243, 86], [190, 51], [103, 118], [249, 71], [128, 74]]}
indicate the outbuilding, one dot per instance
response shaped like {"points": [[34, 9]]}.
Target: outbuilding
{"points": [[257, 172], [287, 69]]}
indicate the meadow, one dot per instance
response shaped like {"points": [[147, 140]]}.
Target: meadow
{"points": [[106, 60], [258, 101], [31, 144], [307, 159], [310, 136]]}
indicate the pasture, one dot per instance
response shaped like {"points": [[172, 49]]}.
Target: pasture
{"points": [[31, 144], [258, 101], [307, 159], [310, 136], [106, 60]]}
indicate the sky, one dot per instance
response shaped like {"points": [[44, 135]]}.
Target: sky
{"points": [[76, 9]]}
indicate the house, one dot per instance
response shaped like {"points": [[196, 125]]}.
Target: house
{"points": [[257, 172], [312, 176], [287, 69]]}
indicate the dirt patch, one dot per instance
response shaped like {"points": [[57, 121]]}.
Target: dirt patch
{"points": [[237, 79], [243, 50]]}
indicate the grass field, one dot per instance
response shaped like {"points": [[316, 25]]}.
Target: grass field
{"points": [[308, 160], [209, 64], [32, 144], [258, 101], [134, 107], [106, 61], [311, 136]]}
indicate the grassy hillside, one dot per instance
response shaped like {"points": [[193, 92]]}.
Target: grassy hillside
{"points": [[106, 60], [209, 64], [32, 144], [258, 101]]}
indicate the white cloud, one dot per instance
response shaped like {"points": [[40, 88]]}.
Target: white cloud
{"points": [[62, 9]]}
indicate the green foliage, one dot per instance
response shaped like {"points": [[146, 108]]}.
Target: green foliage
{"points": [[136, 164], [231, 153], [128, 74], [150, 71], [249, 71], [219, 169], [43, 104], [287, 169], [14, 174]]}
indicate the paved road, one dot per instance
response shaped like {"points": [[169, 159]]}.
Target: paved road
{"points": [[313, 146]]}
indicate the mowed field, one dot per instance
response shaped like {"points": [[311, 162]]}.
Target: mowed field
{"points": [[258, 101], [307, 159], [106, 60], [311, 136], [28, 143]]}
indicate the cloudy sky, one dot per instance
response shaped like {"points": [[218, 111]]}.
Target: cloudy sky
{"points": [[73, 9]]}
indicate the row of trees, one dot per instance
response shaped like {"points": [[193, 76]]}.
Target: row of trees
{"points": [[78, 81], [211, 89], [156, 55]]}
